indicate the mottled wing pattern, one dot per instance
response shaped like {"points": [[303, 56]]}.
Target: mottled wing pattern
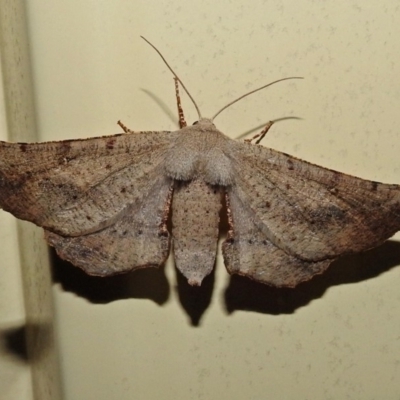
{"points": [[249, 252], [290, 218], [74, 187], [102, 188], [138, 239]]}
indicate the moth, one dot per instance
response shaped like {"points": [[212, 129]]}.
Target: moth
{"points": [[104, 203]]}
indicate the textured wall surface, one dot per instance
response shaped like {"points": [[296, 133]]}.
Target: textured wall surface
{"points": [[146, 335]]}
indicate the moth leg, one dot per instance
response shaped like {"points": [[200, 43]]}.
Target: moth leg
{"points": [[262, 134], [125, 129], [182, 122]]}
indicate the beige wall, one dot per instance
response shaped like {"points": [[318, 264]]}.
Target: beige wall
{"points": [[338, 337]]}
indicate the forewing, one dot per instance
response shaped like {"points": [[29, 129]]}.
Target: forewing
{"points": [[310, 211], [77, 187]]}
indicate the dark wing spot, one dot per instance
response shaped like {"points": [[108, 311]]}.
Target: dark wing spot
{"points": [[65, 147], [66, 159], [110, 144], [374, 186], [336, 176], [323, 216], [334, 191], [23, 147]]}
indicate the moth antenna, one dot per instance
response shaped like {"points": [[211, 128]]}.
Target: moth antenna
{"points": [[176, 76], [251, 92]]}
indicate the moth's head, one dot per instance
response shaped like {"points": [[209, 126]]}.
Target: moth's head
{"points": [[204, 123]]}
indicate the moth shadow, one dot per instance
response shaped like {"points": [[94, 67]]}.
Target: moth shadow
{"points": [[195, 300], [250, 132], [164, 107], [13, 342], [146, 283], [244, 294]]}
